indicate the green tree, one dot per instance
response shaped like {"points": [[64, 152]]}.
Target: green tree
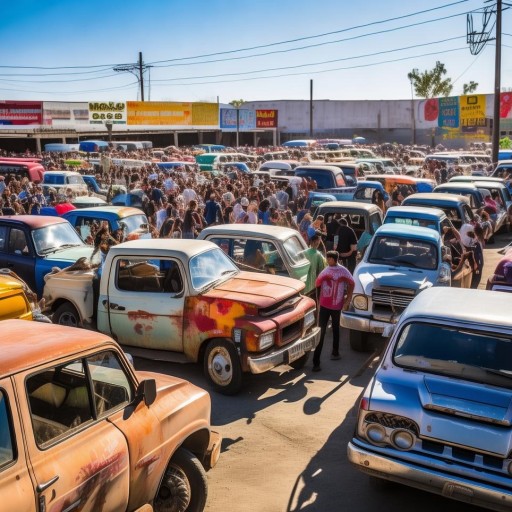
{"points": [[469, 88], [505, 143], [237, 103], [431, 84]]}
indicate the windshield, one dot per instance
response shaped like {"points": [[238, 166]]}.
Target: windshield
{"points": [[133, 222], [390, 250], [209, 267], [55, 237], [473, 355], [295, 251]]}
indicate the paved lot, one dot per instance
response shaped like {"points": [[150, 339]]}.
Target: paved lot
{"points": [[285, 438]]}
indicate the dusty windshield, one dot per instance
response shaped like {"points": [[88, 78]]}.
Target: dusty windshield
{"points": [[471, 355], [55, 237], [210, 267], [390, 250]]}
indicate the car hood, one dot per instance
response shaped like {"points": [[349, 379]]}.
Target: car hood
{"points": [[389, 277], [262, 290], [447, 410], [71, 254]]}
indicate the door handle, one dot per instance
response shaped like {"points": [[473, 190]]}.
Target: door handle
{"points": [[117, 307], [43, 487]]}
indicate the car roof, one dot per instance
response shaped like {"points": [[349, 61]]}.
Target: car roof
{"points": [[465, 306], [314, 167], [271, 232], [119, 211], [68, 173], [26, 345], [150, 247], [437, 197], [408, 232], [348, 205], [456, 185], [32, 221], [418, 211]]}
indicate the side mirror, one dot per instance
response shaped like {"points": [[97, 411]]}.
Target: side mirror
{"points": [[147, 391]]}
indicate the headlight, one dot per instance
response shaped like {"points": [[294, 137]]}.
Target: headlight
{"points": [[266, 340], [402, 439], [445, 275], [360, 302], [376, 433], [309, 318]]}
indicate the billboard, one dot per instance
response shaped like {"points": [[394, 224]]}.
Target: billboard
{"points": [[102, 111], [266, 118], [21, 113], [247, 119], [472, 110], [448, 112], [506, 105], [157, 113], [64, 114], [205, 114]]}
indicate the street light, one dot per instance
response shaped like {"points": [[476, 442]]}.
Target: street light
{"points": [[237, 104], [412, 113]]}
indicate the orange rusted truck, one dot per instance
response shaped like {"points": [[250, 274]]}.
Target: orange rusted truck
{"points": [[80, 429], [185, 300]]}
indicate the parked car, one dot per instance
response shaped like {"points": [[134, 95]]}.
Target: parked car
{"points": [[469, 190], [87, 202], [132, 221], [400, 262], [503, 169], [432, 218], [185, 300], [93, 186], [81, 429], [436, 415], [329, 179], [457, 208], [282, 249], [133, 198], [32, 245], [504, 201], [501, 279], [60, 181]]}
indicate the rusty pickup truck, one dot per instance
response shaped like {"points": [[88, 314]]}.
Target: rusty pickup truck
{"points": [[186, 301], [80, 429]]}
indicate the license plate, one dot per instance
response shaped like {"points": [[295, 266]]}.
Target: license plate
{"points": [[296, 352]]}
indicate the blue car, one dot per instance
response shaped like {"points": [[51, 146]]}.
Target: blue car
{"points": [[32, 245]]}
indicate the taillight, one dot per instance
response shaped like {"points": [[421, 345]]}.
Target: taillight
{"points": [[364, 404]]}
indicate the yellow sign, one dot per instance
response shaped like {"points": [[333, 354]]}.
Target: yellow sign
{"points": [[205, 114], [472, 110], [159, 113]]}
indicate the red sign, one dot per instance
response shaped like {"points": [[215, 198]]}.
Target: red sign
{"points": [[266, 118], [21, 112]]}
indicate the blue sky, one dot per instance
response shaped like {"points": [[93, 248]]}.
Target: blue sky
{"points": [[93, 37]]}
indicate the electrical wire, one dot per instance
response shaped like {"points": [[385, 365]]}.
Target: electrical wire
{"points": [[75, 92]]}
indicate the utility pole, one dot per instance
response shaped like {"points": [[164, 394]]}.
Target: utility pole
{"points": [[136, 70], [311, 108], [141, 77], [497, 86]]}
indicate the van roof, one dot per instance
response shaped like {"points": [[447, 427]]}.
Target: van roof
{"points": [[436, 197]]}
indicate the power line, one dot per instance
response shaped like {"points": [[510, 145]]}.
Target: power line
{"points": [[56, 81], [73, 92]]}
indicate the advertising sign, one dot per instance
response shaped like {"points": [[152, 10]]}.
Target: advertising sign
{"points": [[21, 112], [205, 114], [158, 113], [472, 110], [506, 105], [266, 118], [448, 112], [101, 111], [247, 119], [427, 113]]}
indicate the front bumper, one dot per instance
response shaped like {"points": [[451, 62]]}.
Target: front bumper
{"points": [[351, 320], [430, 480], [211, 456], [285, 355]]}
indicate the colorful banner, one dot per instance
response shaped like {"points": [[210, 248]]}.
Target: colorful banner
{"points": [[21, 112], [506, 105], [448, 112], [159, 113], [205, 114], [472, 110], [107, 111], [266, 118], [64, 114], [247, 119], [427, 113]]}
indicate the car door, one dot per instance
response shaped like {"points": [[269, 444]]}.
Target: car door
{"points": [[15, 481], [20, 255], [79, 460], [146, 299]]}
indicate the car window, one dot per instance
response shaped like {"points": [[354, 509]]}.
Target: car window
{"points": [[3, 238], [295, 250], [390, 250], [375, 222], [468, 214], [110, 382], [150, 276], [210, 267], [224, 244], [60, 401], [7, 452], [482, 357], [18, 242], [364, 193]]}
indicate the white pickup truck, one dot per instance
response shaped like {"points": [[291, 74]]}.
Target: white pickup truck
{"points": [[186, 301]]}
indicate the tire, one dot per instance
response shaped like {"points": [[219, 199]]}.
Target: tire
{"points": [[184, 487], [359, 341], [222, 367], [66, 314], [298, 364]]}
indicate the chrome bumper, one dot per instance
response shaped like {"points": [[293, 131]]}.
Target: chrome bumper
{"points": [[211, 456], [285, 355], [430, 480], [356, 322]]}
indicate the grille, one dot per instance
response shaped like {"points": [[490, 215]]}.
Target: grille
{"points": [[291, 332], [392, 421], [392, 298], [288, 303]]}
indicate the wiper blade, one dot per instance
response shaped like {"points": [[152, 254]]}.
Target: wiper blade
{"points": [[208, 286], [501, 373]]}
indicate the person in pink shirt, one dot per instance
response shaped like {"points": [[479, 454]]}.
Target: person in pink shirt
{"points": [[335, 284]]}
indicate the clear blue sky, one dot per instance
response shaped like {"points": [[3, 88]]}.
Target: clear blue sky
{"points": [[103, 34]]}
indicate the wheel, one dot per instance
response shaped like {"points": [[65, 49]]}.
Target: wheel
{"points": [[66, 314], [184, 487], [222, 367], [359, 341], [298, 364]]}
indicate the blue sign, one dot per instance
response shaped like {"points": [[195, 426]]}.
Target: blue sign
{"points": [[247, 119], [449, 112]]}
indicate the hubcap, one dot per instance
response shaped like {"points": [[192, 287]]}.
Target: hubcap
{"points": [[68, 319], [219, 366]]}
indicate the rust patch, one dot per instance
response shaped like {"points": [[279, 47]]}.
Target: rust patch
{"points": [[140, 315], [224, 306], [146, 462]]}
